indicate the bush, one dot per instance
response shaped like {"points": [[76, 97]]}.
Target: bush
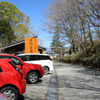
{"points": [[84, 57], [86, 60]]}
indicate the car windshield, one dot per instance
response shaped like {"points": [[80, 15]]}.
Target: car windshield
{"points": [[16, 61], [11, 63]]}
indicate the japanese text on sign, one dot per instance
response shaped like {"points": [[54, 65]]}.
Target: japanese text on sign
{"points": [[31, 45]]}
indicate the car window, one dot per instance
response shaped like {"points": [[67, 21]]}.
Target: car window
{"points": [[24, 58], [5, 57], [1, 57], [35, 57], [14, 60], [45, 57], [11, 63], [1, 70]]}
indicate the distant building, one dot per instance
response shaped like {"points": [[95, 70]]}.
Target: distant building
{"points": [[17, 48]]}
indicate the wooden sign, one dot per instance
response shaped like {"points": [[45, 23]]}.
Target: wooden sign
{"points": [[31, 45]]}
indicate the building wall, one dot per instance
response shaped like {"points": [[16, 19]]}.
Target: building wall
{"points": [[14, 49], [17, 49]]}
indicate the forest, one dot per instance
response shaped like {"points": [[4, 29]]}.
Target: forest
{"points": [[72, 23], [75, 23]]}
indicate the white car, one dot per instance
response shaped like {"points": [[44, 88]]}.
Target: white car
{"points": [[43, 59]]}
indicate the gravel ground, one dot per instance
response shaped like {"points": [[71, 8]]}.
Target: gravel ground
{"points": [[77, 82]]}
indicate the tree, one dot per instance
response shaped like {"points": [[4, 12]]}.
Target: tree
{"points": [[57, 44], [79, 21], [18, 20], [6, 33]]}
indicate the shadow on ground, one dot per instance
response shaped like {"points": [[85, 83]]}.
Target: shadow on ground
{"points": [[21, 97]]}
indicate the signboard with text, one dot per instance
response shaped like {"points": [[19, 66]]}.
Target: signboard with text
{"points": [[31, 45]]}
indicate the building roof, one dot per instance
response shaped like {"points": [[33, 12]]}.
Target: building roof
{"points": [[17, 43]]}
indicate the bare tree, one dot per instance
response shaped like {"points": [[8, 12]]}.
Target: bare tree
{"points": [[79, 20]]}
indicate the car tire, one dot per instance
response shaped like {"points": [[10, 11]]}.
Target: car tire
{"points": [[10, 92], [46, 70], [32, 77]]}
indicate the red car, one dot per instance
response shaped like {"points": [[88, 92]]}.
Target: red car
{"points": [[12, 82], [32, 72]]}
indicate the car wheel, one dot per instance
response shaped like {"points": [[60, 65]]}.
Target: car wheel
{"points": [[46, 70], [32, 77], [10, 92]]}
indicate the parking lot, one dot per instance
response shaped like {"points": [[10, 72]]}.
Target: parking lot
{"points": [[74, 83], [37, 91]]}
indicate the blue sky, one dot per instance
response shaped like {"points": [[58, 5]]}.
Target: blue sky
{"points": [[34, 9]]}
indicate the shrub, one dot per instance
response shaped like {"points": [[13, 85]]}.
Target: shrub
{"points": [[84, 57]]}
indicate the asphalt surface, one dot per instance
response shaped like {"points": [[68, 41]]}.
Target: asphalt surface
{"points": [[77, 82], [67, 82], [37, 91]]}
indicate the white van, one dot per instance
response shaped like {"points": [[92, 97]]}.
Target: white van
{"points": [[43, 59]]}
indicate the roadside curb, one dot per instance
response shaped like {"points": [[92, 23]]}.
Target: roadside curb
{"points": [[57, 85], [53, 91], [48, 87]]}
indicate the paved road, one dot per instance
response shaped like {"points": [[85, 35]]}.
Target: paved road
{"points": [[77, 83]]}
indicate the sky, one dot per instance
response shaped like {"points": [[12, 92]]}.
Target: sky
{"points": [[34, 9]]}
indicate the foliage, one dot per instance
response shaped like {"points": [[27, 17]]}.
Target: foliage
{"points": [[21, 31], [57, 45], [84, 58], [6, 32], [17, 19], [78, 21]]}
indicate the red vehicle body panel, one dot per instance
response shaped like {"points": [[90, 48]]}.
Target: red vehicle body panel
{"points": [[29, 67], [26, 66], [10, 76]]}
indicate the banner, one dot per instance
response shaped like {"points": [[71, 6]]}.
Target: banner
{"points": [[31, 45]]}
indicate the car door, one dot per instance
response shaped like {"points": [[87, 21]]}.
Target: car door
{"points": [[17, 62], [35, 59]]}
